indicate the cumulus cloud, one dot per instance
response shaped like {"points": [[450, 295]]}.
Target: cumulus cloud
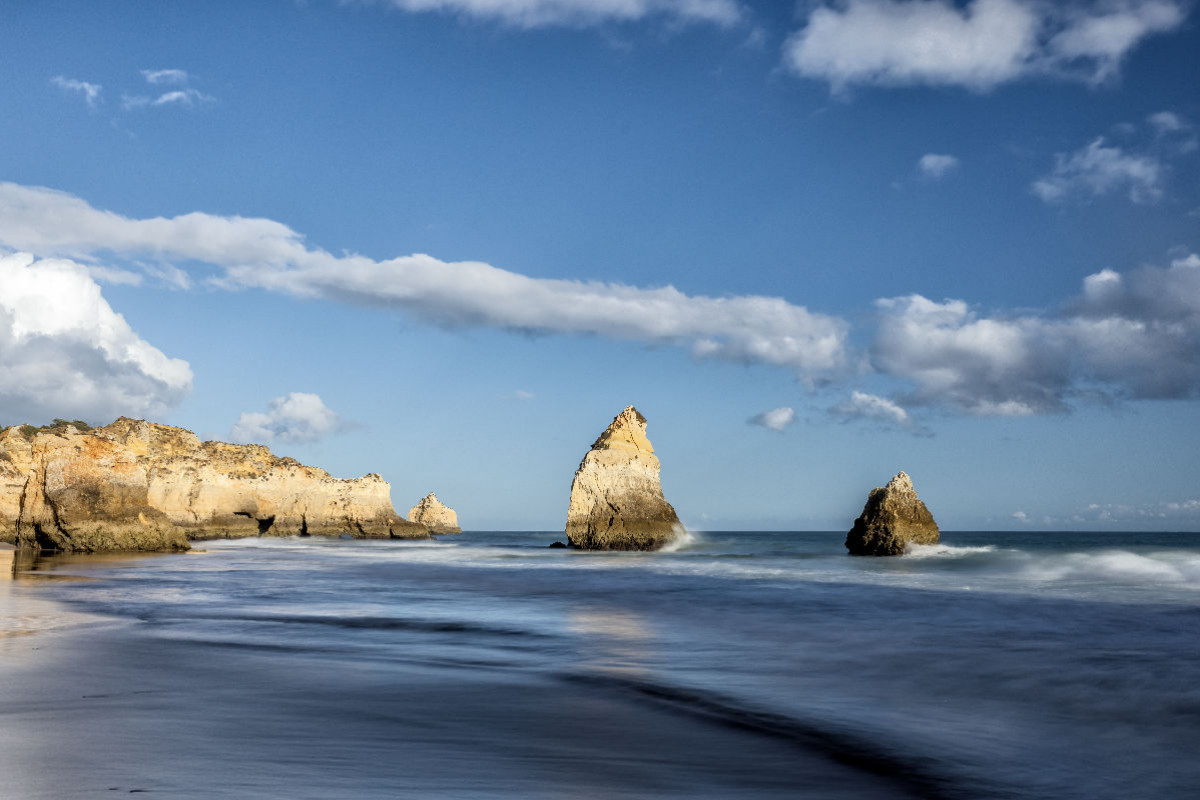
{"points": [[297, 418], [776, 419], [936, 165], [64, 352], [979, 45], [264, 254], [1097, 170], [1126, 336], [539, 13], [165, 76], [90, 91]]}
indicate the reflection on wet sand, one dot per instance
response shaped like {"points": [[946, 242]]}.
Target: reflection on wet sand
{"points": [[614, 641], [23, 613]]}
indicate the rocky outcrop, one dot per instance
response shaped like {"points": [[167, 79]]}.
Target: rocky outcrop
{"points": [[434, 515], [617, 501], [892, 519], [136, 485]]}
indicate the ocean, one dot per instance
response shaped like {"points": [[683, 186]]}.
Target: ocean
{"points": [[485, 665]]}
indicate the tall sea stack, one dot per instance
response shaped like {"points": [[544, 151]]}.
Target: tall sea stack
{"points": [[617, 501], [892, 519]]}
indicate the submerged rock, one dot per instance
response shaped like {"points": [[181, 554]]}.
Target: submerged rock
{"points": [[617, 501], [136, 485], [434, 515], [892, 519]]}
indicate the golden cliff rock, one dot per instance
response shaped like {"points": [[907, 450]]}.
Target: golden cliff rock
{"points": [[136, 485], [617, 501]]}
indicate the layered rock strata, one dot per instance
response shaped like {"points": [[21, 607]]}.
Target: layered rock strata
{"points": [[136, 485], [617, 501], [893, 518], [434, 515]]}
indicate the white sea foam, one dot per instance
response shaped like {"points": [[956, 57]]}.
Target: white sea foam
{"points": [[945, 550], [1119, 566], [685, 541]]}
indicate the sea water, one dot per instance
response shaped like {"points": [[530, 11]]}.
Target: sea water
{"points": [[1057, 665]]}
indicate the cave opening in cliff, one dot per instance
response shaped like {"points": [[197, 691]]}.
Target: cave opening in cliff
{"points": [[264, 524]]}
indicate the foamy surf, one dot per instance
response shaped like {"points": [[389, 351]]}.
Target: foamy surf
{"points": [[945, 550]]}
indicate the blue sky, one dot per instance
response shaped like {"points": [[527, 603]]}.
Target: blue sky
{"points": [[448, 240]]}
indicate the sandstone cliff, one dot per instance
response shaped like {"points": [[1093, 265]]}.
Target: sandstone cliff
{"points": [[617, 501], [434, 515], [136, 485], [892, 518]]}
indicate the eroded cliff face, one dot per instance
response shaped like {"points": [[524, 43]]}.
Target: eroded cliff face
{"points": [[434, 515], [136, 485], [893, 518], [617, 501]]}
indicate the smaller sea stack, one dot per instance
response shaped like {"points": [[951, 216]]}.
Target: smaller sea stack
{"points": [[893, 518], [434, 515], [617, 501]]}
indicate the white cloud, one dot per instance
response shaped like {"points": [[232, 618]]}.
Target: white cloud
{"points": [[935, 165], [1167, 122], [187, 98], [299, 417], [165, 76], [979, 45], [776, 419], [539, 13], [261, 253], [1097, 170], [864, 406], [64, 352], [1128, 336], [1020, 516], [521, 394], [90, 91]]}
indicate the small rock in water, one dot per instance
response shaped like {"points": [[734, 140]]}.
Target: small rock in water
{"points": [[892, 518], [557, 545]]}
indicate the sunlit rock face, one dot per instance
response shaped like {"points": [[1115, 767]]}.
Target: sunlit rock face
{"points": [[136, 485], [434, 515], [617, 501], [893, 518]]}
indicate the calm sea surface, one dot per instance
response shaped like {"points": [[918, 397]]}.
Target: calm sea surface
{"points": [[489, 666]]}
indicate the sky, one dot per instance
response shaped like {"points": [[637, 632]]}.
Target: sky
{"points": [[448, 241]]}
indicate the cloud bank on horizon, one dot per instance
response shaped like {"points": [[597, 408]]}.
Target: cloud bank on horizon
{"points": [[1125, 336]]}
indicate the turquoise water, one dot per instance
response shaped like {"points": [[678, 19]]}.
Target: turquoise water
{"points": [[741, 664]]}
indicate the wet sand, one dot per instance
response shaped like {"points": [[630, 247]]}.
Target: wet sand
{"points": [[94, 706]]}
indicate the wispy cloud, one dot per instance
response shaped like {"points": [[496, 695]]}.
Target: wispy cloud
{"points": [[262, 253], [65, 352], [91, 91], [165, 76], [776, 419], [979, 45], [579, 13], [936, 165], [1099, 169], [187, 98], [296, 418]]}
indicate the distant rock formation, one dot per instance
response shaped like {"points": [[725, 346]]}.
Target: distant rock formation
{"points": [[136, 485], [616, 498], [892, 518], [434, 515]]}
